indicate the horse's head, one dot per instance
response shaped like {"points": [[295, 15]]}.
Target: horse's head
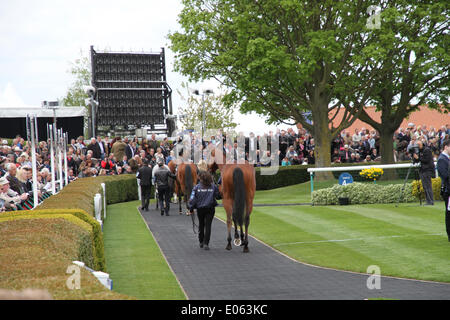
{"points": [[212, 167]]}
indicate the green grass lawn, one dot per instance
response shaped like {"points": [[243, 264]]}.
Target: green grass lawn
{"points": [[133, 258], [407, 241]]}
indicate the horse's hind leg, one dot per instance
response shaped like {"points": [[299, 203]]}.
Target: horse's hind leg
{"points": [[179, 204], [236, 233], [245, 241], [228, 247]]}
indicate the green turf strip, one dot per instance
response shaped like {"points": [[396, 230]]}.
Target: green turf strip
{"points": [[133, 258], [407, 241]]}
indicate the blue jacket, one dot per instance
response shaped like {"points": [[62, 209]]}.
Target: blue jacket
{"points": [[443, 166], [203, 197]]}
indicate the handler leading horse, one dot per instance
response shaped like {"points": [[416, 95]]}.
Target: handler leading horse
{"points": [[238, 190]]}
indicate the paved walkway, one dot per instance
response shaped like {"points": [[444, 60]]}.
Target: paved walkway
{"points": [[263, 273]]}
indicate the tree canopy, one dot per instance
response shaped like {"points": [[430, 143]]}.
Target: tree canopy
{"points": [[282, 58], [412, 48], [81, 70], [217, 116]]}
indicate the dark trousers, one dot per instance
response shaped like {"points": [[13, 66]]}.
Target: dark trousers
{"points": [[205, 218], [164, 197], [425, 177], [447, 214], [145, 196]]}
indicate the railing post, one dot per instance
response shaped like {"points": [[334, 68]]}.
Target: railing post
{"points": [[98, 208], [104, 200], [139, 189]]}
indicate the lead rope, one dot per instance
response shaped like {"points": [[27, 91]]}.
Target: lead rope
{"points": [[194, 225]]}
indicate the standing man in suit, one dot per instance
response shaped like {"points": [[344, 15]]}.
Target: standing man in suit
{"points": [[145, 176], [102, 147], [162, 175], [443, 167], [129, 150]]}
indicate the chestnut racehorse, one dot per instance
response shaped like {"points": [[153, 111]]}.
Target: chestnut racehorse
{"points": [[237, 190], [186, 179]]}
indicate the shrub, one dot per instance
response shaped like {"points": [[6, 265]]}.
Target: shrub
{"points": [[98, 259], [359, 193], [80, 193], [36, 252], [286, 176], [77, 198], [436, 186]]}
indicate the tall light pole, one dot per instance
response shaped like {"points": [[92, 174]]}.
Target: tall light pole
{"points": [[205, 92], [51, 137], [92, 103], [31, 121]]}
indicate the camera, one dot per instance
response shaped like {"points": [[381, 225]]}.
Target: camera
{"points": [[89, 90], [415, 150]]}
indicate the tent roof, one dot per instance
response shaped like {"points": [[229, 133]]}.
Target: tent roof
{"points": [[40, 112]]}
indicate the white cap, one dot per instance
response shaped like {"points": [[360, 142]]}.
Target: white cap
{"points": [[3, 181]]}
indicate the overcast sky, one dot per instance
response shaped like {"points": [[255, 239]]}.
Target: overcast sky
{"points": [[39, 40]]}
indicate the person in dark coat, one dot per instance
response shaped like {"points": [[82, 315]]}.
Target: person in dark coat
{"points": [[96, 153], [426, 170], [443, 168], [162, 175], [130, 151], [144, 174], [203, 198]]}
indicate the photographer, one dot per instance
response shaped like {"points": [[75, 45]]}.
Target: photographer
{"points": [[443, 166], [423, 155]]}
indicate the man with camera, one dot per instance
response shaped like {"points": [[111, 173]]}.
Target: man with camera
{"points": [[443, 167], [422, 154]]}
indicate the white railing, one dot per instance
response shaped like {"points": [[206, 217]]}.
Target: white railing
{"points": [[101, 276], [354, 168]]}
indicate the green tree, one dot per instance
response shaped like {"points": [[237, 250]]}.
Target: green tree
{"points": [[411, 46], [81, 70], [217, 115], [282, 58]]}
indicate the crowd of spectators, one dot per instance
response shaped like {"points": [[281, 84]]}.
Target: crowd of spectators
{"points": [[364, 145], [102, 156]]}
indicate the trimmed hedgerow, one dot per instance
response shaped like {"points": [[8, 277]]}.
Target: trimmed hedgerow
{"points": [[36, 252], [360, 193], [80, 193], [77, 198], [97, 236], [286, 176]]}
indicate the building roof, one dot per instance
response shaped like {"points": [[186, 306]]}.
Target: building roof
{"points": [[424, 116], [40, 112]]}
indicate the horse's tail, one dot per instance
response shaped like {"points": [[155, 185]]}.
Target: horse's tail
{"points": [[239, 196], [188, 184]]}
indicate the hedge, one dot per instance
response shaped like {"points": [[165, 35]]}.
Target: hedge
{"points": [[98, 255], [360, 193], [36, 252], [80, 193], [77, 198], [85, 248], [286, 176]]}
